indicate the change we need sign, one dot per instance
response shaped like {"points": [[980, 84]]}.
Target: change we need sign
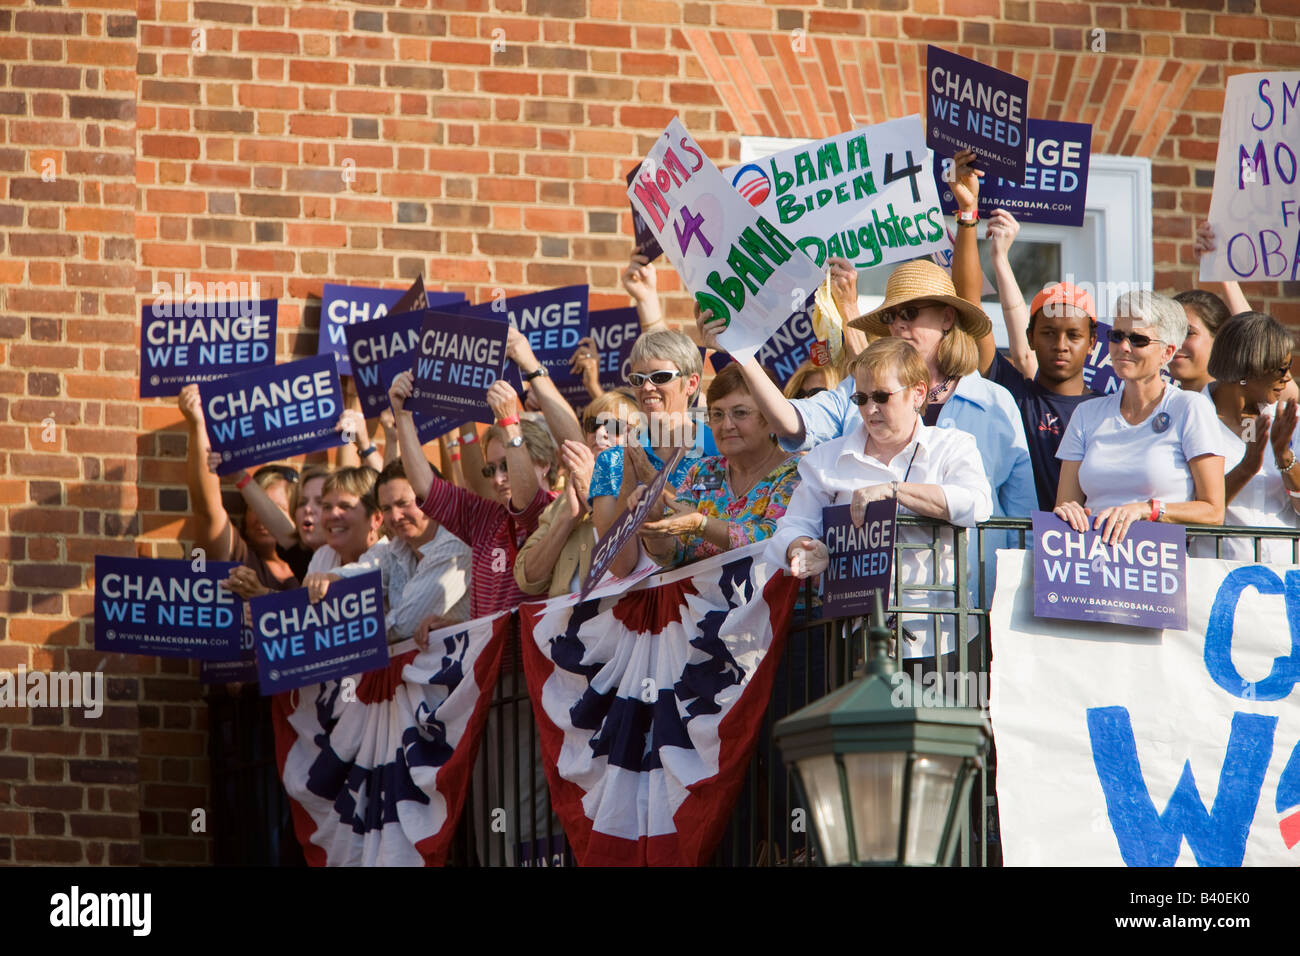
{"points": [[865, 195], [972, 106], [1140, 582], [382, 349], [345, 305], [861, 558], [166, 608], [1255, 206], [614, 331], [184, 342], [1054, 188], [732, 259], [273, 413], [1123, 748], [300, 643], [458, 357]]}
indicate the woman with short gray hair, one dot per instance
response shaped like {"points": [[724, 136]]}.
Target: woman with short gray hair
{"points": [[1148, 452]]}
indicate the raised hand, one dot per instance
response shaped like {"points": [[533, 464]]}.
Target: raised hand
{"points": [[191, 405], [502, 399], [639, 278]]}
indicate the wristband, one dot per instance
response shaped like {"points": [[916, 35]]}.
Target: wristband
{"points": [[455, 456], [1157, 509], [244, 479], [1288, 468], [469, 439], [508, 421], [370, 451], [967, 217]]}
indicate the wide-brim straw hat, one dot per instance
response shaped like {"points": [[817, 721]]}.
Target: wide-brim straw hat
{"points": [[922, 280]]}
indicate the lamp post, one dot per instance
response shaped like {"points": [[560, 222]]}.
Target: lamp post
{"points": [[885, 779]]}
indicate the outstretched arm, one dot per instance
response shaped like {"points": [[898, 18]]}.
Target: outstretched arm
{"points": [[1002, 231], [966, 273], [560, 416], [212, 531]]}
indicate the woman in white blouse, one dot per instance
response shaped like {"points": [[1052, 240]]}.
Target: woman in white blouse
{"points": [[890, 453], [1251, 365], [1148, 452]]}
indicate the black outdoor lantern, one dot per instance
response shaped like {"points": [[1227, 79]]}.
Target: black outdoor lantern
{"points": [[885, 781]]}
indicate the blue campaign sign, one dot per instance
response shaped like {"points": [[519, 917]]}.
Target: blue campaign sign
{"points": [[189, 342], [380, 351], [1141, 582], [787, 349], [1055, 183], [345, 305], [273, 413], [241, 671], [972, 106], [862, 558], [646, 243], [553, 321], [458, 357], [300, 643], [614, 331], [166, 608]]}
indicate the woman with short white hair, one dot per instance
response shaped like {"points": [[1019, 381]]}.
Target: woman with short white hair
{"points": [[1148, 452]]}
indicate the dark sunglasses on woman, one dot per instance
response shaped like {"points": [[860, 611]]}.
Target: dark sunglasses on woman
{"points": [[1136, 339], [809, 392], [614, 427], [879, 396], [907, 313]]}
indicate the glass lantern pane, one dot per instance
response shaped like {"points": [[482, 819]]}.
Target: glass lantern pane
{"points": [[932, 792], [821, 781], [876, 792]]}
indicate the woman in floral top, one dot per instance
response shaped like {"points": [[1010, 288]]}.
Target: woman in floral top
{"points": [[732, 499]]}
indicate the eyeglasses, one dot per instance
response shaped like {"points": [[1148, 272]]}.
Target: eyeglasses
{"points": [[809, 392], [739, 415], [907, 313], [879, 396], [614, 426], [1136, 339], [492, 467], [661, 377]]}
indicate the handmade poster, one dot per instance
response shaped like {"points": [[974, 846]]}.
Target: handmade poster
{"points": [[646, 243], [627, 525], [191, 341], [166, 608], [865, 195], [345, 305], [1124, 747], [788, 348], [972, 106], [1140, 582], [1054, 188], [861, 559], [1255, 206], [553, 321], [614, 331], [731, 258], [458, 358], [273, 413], [301, 643]]}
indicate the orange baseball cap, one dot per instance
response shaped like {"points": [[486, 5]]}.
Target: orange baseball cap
{"points": [[1064, 293]]}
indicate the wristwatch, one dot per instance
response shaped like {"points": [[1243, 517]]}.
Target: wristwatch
{"points": [[894, 486], [515, 442], [536, 373]]}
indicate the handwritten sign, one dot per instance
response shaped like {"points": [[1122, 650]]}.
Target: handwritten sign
{"points": [[1255, 206], [1138, 582], [345, 305], [646, 243], [190, 341], [788, 348], [273, 413], [627, 525], [1117, 749], [458, 358], [300, 643], [731, 258], [972, 106], [864, 195], [1054, 188], [166, 608], [861, 558]]}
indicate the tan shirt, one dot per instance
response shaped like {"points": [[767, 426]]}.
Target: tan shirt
{"points": [[574, 559]]}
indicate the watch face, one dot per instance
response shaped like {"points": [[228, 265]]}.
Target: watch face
{"points": [[516, 441]]}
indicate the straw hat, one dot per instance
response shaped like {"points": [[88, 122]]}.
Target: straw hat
{"points": [[922, 280]]}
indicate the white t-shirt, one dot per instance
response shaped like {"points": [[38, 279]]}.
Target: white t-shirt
{"points": [[1262, 503], [323, 559], [1123, 463]]}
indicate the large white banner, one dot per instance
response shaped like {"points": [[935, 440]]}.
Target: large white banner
{"points": [[867, 195], [1128, 746], [1255, 206], [731, 258]]}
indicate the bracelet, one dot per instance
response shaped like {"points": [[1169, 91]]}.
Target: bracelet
{"points": [[1288, 468], [469, 439], [370, 451], [455, 456], [508, 421], [967, 217], [243, 480]]}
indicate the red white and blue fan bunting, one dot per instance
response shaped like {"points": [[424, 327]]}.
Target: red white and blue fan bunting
{"points": [[649, 704], [379, 777]]}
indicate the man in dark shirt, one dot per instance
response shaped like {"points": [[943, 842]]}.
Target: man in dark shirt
{"points": [[1062, 331]]}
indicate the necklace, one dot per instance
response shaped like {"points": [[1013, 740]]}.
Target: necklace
{"points": [[939, 389], [758, 471]]}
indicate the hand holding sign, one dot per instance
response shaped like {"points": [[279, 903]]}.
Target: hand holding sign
{"points": [[808, 557], [502, 399], [865, 496], [965, 183], [191, 405]]}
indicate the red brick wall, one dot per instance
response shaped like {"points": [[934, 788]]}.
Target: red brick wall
{"points": [[489, 142]]}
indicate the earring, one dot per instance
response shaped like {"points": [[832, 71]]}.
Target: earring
{"points": [[1243, 381]]}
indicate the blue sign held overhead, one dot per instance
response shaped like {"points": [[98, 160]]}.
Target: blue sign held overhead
{"points": [[203, 341], [614, 331], [345, 305], [458, 358], [972, 106]]}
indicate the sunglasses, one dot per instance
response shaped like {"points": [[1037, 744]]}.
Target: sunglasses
{"points": [[906, 313], [879, 396], [614, 427], [809, 392], [738, 415], [662, 377], [491, 468], [1137, 340], [284, 471]]}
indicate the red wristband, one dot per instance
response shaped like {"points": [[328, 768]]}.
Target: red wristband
{"points": [[1155, 509], [244, 479], [469, 439], [509, 420], [455, 456]]}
